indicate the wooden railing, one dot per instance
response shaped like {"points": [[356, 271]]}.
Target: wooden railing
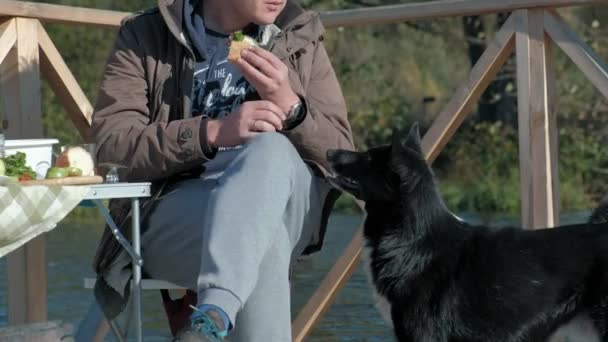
{"points": [[532, 31]]}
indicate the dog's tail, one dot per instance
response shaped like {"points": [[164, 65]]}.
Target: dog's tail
{"points": [[600, 214]]}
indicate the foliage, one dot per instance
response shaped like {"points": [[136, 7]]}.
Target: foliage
{"points": [[483, 172], [395, 74]]}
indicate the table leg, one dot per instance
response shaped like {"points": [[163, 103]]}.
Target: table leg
{"points": [[136, 292], [116, 232]]}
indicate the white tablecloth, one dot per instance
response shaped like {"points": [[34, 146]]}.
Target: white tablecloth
{"points": [[28, 211]]}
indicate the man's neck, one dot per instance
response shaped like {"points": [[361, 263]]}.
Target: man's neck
{"points": [[219, 16]]}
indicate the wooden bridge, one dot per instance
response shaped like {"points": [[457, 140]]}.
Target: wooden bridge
{"points": [[532, 31]]}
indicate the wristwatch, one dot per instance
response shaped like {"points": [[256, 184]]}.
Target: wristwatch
{"points": [[294, 115]]}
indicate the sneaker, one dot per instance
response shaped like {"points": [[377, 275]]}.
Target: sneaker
{"points": [[205, 327]]}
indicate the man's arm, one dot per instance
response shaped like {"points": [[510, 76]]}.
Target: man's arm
{"points": [[326, 123], [121, 121]]}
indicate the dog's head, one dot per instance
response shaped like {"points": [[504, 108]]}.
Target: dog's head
{"points": [[382, 174]]}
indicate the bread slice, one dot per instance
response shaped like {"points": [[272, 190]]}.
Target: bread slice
{"points": [[237, 44]]}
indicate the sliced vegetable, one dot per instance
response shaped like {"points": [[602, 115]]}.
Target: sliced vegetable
{"points": [[25, 177], [238, 36], [2, 168]]}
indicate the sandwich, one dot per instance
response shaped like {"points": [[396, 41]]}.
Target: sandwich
{"points": [[238, 43]]}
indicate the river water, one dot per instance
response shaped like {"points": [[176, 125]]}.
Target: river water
{"points": [[352, 317]]}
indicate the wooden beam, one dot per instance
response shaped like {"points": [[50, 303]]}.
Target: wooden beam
{"points": [[579, 52], [64, 84], [436, 9], [20, 91], [327, 291], [352, 17], [467, 95], [8, 37], [61, 14], [20, 83], [537, 126]]}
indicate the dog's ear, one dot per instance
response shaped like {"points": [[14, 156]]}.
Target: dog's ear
{"points": [[404, 145], [413, 138], [397, 146], [399, 139], [407, 159]]}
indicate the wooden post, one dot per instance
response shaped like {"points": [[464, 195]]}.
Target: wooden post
{"points": [[537, 123], [20, 92], [8, 37], [20, 83], [579, 52]]}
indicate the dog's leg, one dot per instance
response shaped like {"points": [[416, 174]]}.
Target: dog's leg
{"points": [[599, 317], [402, 332]]}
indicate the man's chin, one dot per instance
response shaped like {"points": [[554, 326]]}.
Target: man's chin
{"points": [[266, 19]]}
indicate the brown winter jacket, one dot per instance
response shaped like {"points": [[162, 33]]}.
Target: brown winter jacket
{"points": [[142, 116]]}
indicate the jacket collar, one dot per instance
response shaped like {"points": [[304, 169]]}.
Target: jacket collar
{"points": [[298, 27]]}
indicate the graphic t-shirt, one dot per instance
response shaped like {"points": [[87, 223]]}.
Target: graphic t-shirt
{"points": [[219, 88]]}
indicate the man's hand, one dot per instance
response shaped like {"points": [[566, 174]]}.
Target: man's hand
{"points": [[269, 76], [250, 119]]}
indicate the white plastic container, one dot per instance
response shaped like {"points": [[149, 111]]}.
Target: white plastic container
{"points": [[39, 153]]}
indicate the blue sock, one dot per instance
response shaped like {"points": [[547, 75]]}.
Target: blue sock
{"points": [[206, 307]]}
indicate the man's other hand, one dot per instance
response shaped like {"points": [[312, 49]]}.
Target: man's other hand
{"points": [[251, 118]]}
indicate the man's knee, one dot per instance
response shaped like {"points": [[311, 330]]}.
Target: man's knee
{"points": [[272, 148], [271, 155]]}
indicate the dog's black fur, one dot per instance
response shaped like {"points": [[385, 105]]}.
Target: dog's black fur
{"points": [[446, 280]]}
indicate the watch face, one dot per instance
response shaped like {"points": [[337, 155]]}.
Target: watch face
{"points": [[295, 111], [294, 114]]}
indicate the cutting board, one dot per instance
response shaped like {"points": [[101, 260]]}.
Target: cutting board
{"points": [[84, 180]]}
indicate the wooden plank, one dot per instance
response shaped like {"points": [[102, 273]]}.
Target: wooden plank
{"points": [[26, 283], [82, 180], [20, 91], [8, 37], [467, 95], [537, 127], [20, 83], [36, 290], [146, 284], [579, 52], [61, 13], [436, 9], [362, 16], [15, 284], [327, 291], [64, 84], [551, 102]]}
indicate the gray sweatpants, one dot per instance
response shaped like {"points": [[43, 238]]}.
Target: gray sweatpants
{"points": [[232, 234]]}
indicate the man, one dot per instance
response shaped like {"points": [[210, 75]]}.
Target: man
{"points": [[171, 106]]}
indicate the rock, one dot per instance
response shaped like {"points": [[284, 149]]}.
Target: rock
{"points": [[38, 332]]}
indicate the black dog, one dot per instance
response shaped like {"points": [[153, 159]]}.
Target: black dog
{"points": [[442, 279]]}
